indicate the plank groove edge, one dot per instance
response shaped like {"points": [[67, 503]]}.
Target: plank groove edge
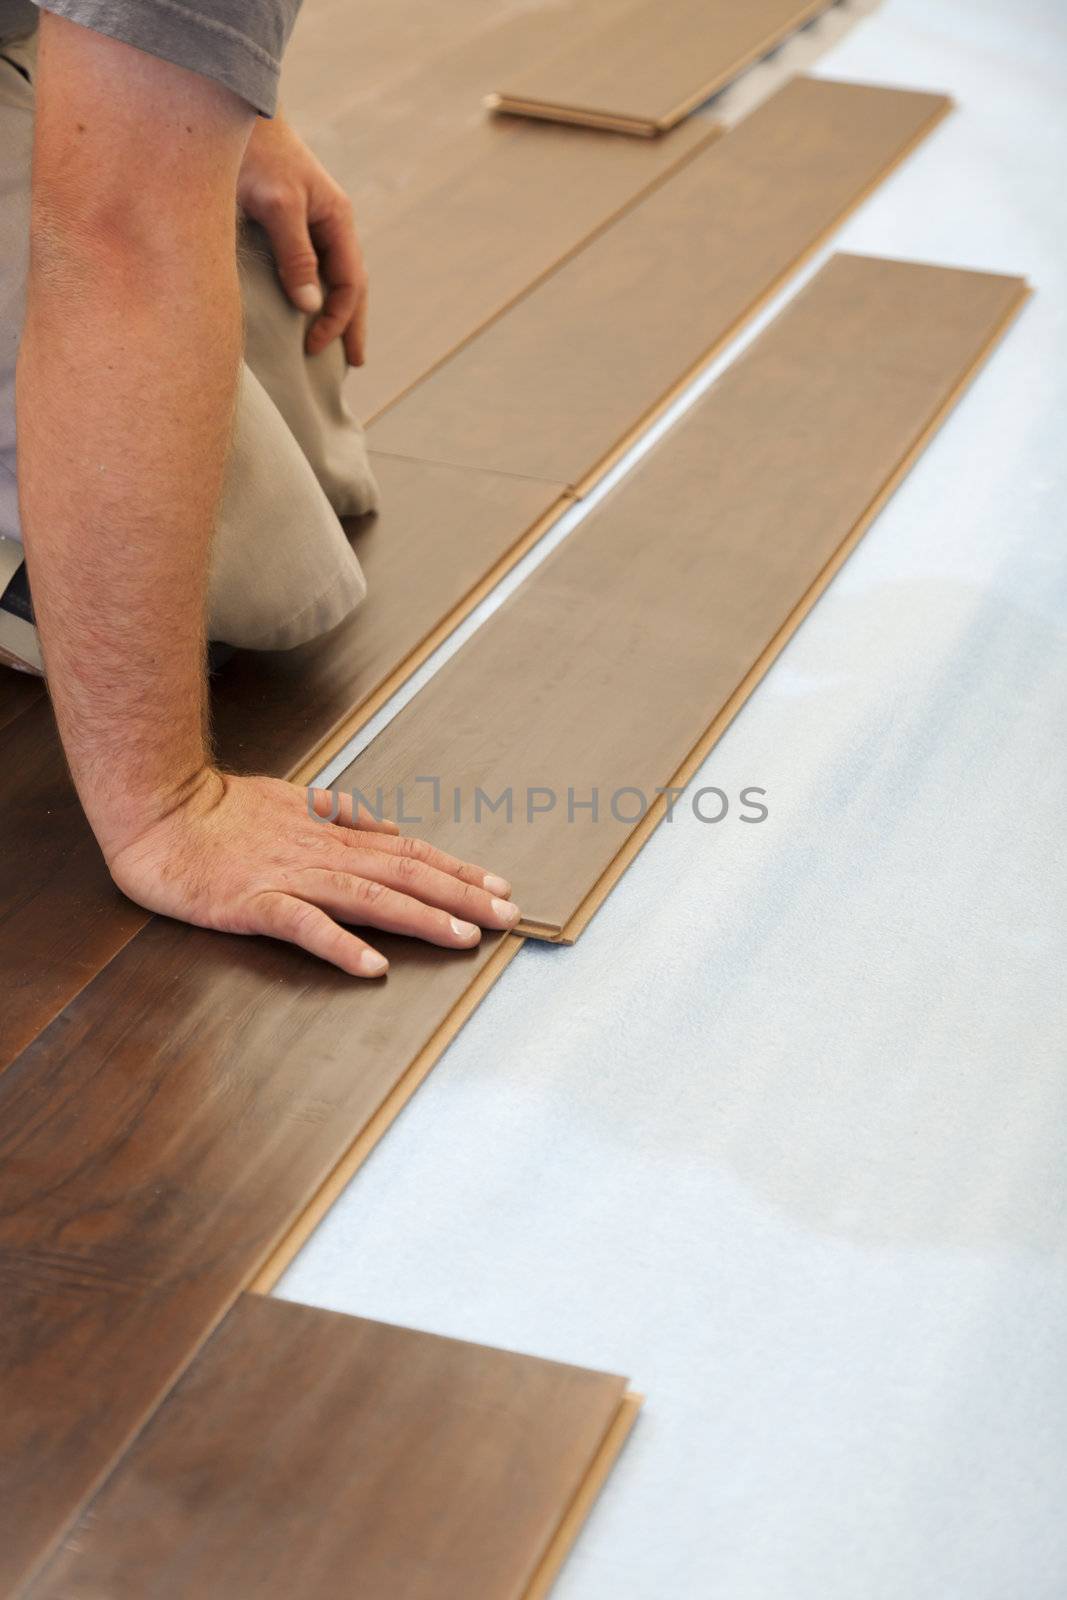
{"points": [[583, 1502]]}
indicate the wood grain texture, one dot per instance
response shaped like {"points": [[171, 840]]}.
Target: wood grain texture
{"points": [[558, 386], [61, 917], [647, 67], [310, 1453], [649, 625], [18, 691], [157, 1141], [443, 537]]}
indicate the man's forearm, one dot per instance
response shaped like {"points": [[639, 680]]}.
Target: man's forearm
{"points": [[125, 393]]}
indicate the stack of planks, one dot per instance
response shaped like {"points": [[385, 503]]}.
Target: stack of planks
{"points": [[180, 1108]]}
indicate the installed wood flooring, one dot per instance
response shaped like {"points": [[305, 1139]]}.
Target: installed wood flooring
{"points": [[158, 1142], [310, 1453]]}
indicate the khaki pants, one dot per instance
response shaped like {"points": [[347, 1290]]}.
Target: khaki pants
{"points": [[282, 570]]}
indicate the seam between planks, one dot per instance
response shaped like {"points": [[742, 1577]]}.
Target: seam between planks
{"points": [[715, 132]]}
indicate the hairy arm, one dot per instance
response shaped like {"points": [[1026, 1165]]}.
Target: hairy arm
{"points": [[126, 382], [125, 390]]}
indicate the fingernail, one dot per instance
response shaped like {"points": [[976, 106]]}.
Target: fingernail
{"points": [[463, 930], [496, 885], [308, 297], [371, 964], [506, 910]]}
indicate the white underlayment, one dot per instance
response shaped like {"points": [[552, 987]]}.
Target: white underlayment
{"points": [[785, 1135]]}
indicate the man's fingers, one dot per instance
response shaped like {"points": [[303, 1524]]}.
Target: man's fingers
{"points": [[355, 335], [335, 806], [341, 259], [285, 917], [418, 850], [434, 888], [285, 218], [375, 905]]}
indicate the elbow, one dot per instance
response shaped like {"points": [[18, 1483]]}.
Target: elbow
{"points": [[80, 244]]}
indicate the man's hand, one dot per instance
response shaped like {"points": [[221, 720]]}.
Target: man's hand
{"points": [[308, 218], [304, 876]]}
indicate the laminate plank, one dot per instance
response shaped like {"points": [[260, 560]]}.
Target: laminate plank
{"points": [[18, 691], [622, 658], [650, 65], [61, 917], [303, 1447], [557, 387], [157, 1142], [443, 537]]}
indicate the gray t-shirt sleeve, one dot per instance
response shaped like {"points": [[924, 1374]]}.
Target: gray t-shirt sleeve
{"points": [[238, 43]]}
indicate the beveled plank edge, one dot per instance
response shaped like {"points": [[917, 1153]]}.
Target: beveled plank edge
{"points": [[503, 105], [715, 132], [596, 896], [650, 126], [575, 1516], [648, 419], [300, 1230], [349, 724]]}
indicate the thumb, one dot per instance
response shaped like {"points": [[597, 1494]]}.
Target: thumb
{"points": [[296, 260]]}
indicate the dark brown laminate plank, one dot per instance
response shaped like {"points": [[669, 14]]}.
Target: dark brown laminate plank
{"points": [[156, 1143], [18, 691], [628, 650], [557, 387], [61, 917], [652, 63], [303, 1447]]}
